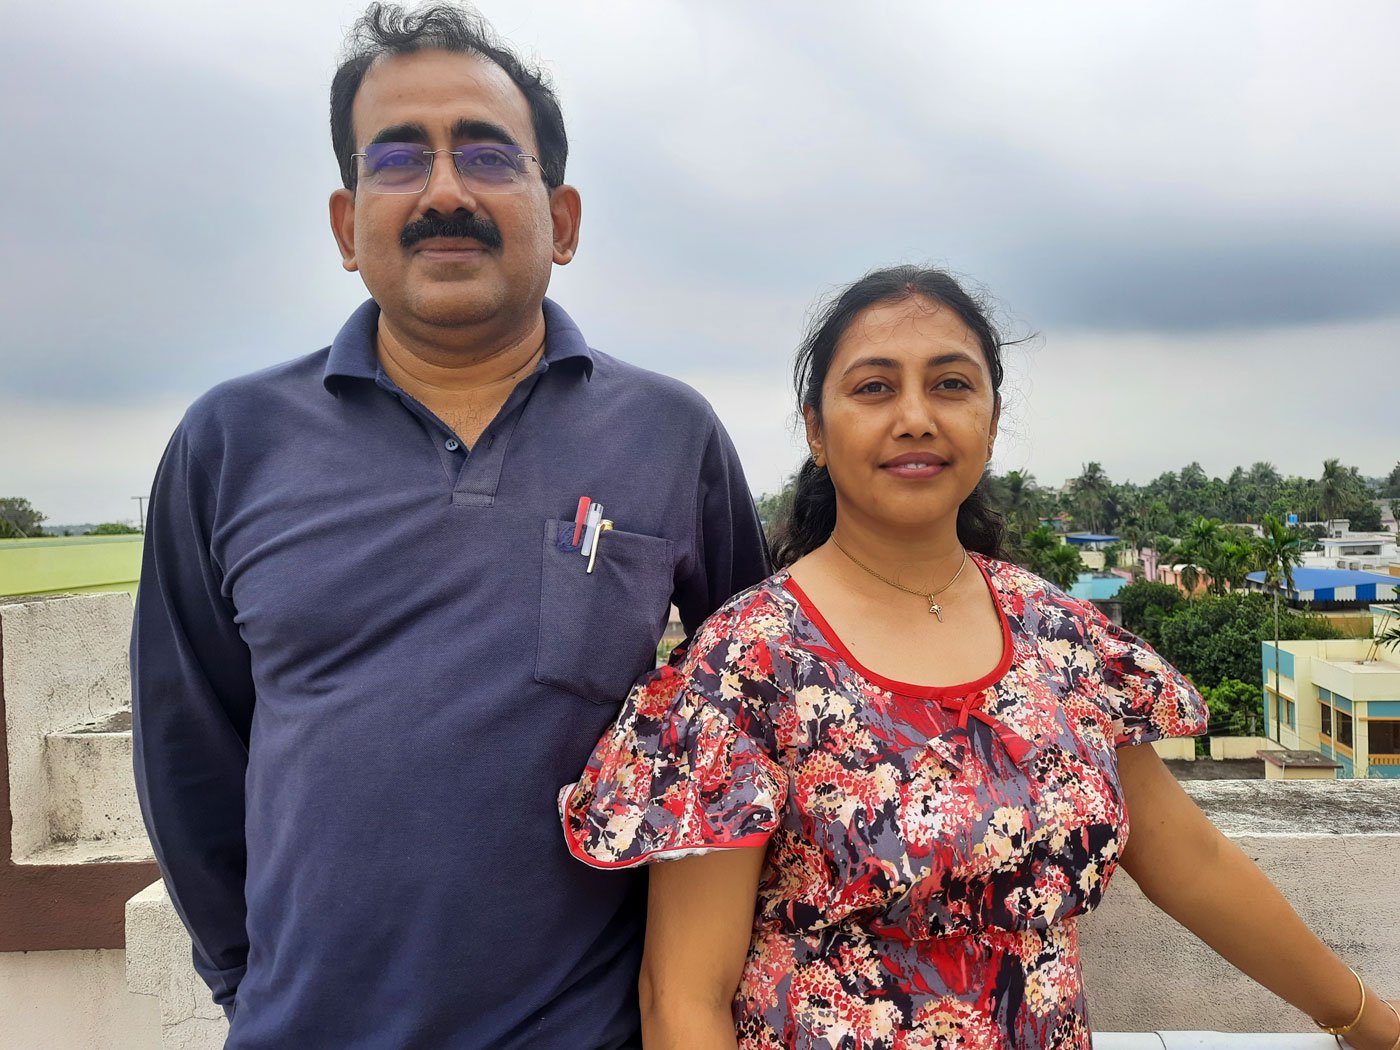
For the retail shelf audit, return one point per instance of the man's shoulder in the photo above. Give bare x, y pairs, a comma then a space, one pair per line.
619, 378
247, 400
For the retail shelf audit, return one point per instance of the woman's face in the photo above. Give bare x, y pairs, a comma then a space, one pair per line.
908, 415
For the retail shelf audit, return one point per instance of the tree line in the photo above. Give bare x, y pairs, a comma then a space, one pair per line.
1094, 502
21, 520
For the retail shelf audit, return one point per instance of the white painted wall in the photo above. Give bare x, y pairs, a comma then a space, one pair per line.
73, 1001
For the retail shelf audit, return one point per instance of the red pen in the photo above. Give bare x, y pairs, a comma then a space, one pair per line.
583, 504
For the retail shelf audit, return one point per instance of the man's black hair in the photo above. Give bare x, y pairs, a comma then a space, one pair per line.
389, 29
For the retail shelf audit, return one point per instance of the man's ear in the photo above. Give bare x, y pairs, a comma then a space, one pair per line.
343, 227
814, 435
565, 209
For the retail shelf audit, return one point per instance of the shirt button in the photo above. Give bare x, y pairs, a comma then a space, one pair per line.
452, 445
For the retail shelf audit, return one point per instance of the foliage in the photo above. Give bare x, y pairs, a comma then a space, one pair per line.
1214, 638
113, 528
1092, 498
1386, 639
1045, 555
1390, 488
19, 519
1144, 604
1234, 708
772, 506
1365, 518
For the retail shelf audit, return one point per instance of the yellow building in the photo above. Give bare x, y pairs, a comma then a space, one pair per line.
1340, 697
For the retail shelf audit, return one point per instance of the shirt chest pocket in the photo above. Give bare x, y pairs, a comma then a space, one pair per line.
599, 630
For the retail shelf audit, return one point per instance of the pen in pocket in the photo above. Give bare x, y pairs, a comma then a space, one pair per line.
603, 526
590, 528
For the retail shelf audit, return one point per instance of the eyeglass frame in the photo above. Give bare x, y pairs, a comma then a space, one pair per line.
457, 154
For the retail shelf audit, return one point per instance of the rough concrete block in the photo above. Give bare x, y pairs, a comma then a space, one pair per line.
158, 964
91, 794
65, 665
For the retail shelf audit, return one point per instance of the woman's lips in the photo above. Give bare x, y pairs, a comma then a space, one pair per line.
917, 469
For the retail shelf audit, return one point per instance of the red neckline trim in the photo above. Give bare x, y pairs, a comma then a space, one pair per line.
921, 692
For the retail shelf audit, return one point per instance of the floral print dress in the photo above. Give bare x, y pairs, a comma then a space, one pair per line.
928, 849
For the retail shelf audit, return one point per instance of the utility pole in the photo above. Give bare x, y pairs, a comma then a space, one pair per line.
140, 512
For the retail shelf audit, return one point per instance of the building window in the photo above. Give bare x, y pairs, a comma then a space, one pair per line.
1292, 716
1344, 729
1326, 720
1383, 738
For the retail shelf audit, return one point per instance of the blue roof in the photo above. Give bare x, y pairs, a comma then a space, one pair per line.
1089, 537
1097, 588
1321, 579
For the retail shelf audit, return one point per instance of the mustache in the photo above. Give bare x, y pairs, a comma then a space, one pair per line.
458, 224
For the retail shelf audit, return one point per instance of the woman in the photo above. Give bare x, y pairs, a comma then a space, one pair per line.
921, 761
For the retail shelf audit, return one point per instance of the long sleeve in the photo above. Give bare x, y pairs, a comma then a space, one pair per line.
192, 707
732, 553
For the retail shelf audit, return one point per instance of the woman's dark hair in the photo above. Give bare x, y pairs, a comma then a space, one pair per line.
388, 29
812, 514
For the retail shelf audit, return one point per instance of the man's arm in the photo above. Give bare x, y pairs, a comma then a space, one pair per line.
192, 707
731, 551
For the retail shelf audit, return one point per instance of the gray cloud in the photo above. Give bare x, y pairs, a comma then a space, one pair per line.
1155, 177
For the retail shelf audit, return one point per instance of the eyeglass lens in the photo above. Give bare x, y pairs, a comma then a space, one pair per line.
399, 167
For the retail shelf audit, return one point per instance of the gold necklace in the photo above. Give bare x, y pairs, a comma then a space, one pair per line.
933, 606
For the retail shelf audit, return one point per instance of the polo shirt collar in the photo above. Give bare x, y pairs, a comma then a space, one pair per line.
352, 352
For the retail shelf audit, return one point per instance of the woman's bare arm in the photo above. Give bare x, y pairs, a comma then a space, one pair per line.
1200, 878
699, 923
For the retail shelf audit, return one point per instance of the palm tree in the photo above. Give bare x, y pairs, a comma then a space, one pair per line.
1020, 503
1198, 554
1332, 489
1050, 559
1062, 566
1387, 639
1092, 491
1280, 551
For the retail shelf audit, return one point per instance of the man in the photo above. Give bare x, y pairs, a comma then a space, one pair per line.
369, 648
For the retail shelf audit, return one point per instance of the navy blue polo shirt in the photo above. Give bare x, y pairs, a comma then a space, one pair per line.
365, 658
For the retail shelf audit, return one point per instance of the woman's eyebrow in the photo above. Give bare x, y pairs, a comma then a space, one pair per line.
952, 357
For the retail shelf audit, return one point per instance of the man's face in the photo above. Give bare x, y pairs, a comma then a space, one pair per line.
443, 100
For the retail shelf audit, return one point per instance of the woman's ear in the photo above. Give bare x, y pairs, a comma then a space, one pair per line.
814, 435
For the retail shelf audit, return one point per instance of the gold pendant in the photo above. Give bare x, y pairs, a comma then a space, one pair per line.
935, 608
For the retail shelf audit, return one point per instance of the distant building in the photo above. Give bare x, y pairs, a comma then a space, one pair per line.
1091, 546
1358, 551
1334, 589
1339, 697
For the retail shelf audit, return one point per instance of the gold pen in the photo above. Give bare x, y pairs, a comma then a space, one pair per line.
603, 526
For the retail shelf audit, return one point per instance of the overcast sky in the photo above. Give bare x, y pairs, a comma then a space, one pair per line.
1194, 206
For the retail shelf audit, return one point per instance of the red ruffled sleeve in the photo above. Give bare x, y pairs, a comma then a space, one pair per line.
1148, 697
689, 766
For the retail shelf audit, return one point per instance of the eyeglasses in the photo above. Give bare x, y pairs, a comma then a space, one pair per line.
405, 167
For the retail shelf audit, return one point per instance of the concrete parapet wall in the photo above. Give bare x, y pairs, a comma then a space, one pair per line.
72, 847
91, 794
1331, 847
64, 666
158, 966
72, 1000
1179, 748
1224, 748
